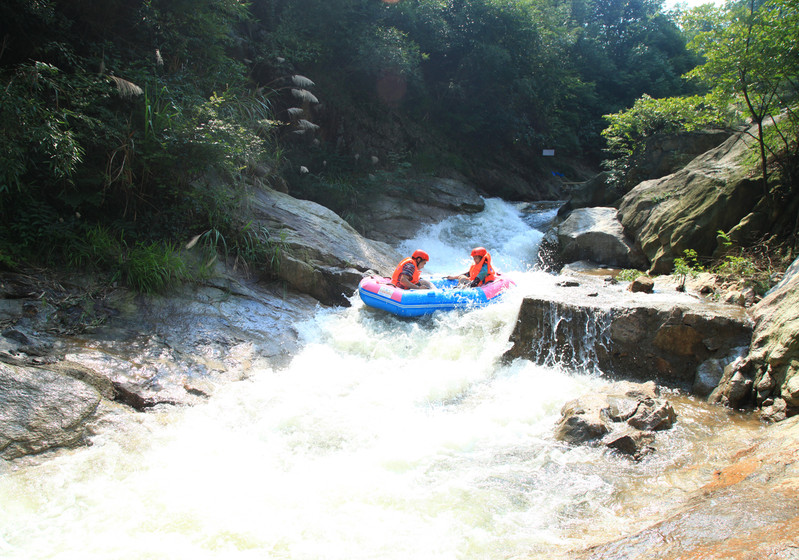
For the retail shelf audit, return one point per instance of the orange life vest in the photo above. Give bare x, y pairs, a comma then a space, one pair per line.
478, 266
398, 271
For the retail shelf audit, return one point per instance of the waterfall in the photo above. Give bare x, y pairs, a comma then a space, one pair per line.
571, 337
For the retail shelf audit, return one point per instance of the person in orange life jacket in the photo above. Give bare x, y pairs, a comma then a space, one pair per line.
481, 272
408, 272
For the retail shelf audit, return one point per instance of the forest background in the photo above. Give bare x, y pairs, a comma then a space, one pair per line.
112, 112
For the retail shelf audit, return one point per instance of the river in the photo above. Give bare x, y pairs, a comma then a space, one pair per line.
384, 438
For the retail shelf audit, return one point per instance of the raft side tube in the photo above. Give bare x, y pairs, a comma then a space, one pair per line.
378, 292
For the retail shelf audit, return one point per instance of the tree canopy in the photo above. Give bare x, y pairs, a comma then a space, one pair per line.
114, 116
751, 57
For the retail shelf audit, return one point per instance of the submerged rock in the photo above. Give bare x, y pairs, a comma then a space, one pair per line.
622, 416
41, 410
146, 352
748, 509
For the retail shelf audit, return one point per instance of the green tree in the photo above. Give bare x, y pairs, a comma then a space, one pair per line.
751, 57
626, 49
108, 115
628, 130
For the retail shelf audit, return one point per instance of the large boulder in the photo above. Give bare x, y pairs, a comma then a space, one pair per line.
59, 380
685, 210
597, 191
180, 346
595, 234
769, 375
319, 253
631, 335
41, 410
623, 416
663, 154
710, 372
511, 181
399, 210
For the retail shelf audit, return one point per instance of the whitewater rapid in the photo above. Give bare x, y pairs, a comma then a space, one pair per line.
384, 438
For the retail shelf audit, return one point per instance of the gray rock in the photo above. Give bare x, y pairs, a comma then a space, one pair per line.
663, 154
777, 411
319, 253
622, 416
684, 210
42, 410
710, 372
629, 441
174, 349
397, 212
595, 234
774, 352
583, 420
735, 388
652, 415
632, 338
746, 509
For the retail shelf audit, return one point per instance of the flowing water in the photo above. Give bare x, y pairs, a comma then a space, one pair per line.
384, 438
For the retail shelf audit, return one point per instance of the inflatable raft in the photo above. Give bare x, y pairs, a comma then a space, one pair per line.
378, 292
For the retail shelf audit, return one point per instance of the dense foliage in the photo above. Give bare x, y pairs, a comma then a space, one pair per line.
130, 126
627, 131
506, 76
108, 115
750, 66
751, 57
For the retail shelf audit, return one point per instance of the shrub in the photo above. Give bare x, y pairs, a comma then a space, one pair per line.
685, 266
152, 267
628, 130
629, 274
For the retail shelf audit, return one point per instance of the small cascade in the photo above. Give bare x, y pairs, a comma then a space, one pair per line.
567, 336
655, 338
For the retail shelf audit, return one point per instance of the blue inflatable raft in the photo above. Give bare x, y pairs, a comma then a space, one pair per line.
380, 293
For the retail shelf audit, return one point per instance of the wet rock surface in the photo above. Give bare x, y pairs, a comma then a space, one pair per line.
113, 346
633, 335
321, 255
42, 409
747, 510
398, 211
623, 416
143, 352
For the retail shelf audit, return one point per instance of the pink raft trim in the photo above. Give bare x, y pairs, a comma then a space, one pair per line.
382, 286
494, 288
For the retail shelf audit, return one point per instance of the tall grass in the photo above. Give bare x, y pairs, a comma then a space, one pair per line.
152, 267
